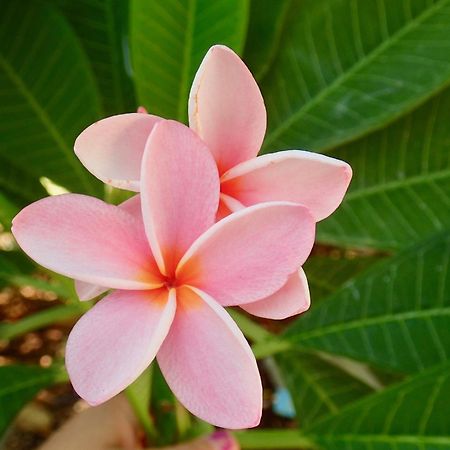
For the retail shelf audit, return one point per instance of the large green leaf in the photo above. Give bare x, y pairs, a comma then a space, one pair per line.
267, 19
327, 274
168, 42
410, 415
396, 315
19, 384
102, 27
47, 94
401, 186
317, 387
14, 263
349, 66
18, 187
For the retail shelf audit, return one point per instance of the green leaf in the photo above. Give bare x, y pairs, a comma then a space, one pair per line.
407, 416
14, 263
401, 187
102, 27
396, 315
47, 95
264, 34
164, 409
168, 41
19, 385
139, 394
348, 67
317, 387
326, 274
18, 188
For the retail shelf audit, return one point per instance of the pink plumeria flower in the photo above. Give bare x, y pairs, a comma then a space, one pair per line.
227, 111
173, 269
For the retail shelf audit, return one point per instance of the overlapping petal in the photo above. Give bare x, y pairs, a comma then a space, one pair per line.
293, 298
226, 108
250, 254
316, 181
115, 341
86, 239
88, 291
112, 148
180, 191
209, 365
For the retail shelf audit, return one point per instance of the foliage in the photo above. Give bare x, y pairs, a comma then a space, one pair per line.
364, 81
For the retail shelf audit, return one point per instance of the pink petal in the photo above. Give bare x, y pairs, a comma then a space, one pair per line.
88, 291
180, 191
112, 148
133, 207
293, 298
84, 238
227, 205
226, 108
116, 340
316, 181
250, 254
209, 365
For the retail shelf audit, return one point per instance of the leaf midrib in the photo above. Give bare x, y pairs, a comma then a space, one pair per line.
45, 119
187, 61
354, 69
386, 438
382, 187
365, 322
111, 28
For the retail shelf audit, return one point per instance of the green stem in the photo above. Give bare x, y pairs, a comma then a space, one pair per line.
271, 347
139, 396
274, 439
250, 328
183, 419
265, 343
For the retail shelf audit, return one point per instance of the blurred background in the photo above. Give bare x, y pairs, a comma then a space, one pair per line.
365, 81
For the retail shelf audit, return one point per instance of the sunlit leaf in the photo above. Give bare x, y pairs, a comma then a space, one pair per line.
410, 415
348, 67
401, 186
396, 315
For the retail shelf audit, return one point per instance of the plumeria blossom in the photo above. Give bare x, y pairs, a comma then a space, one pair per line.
172, 268
227, 111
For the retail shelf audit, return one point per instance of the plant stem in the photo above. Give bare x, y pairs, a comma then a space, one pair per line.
270, 347
183, 419
265, 343
250, 328
274, 439
139, 396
